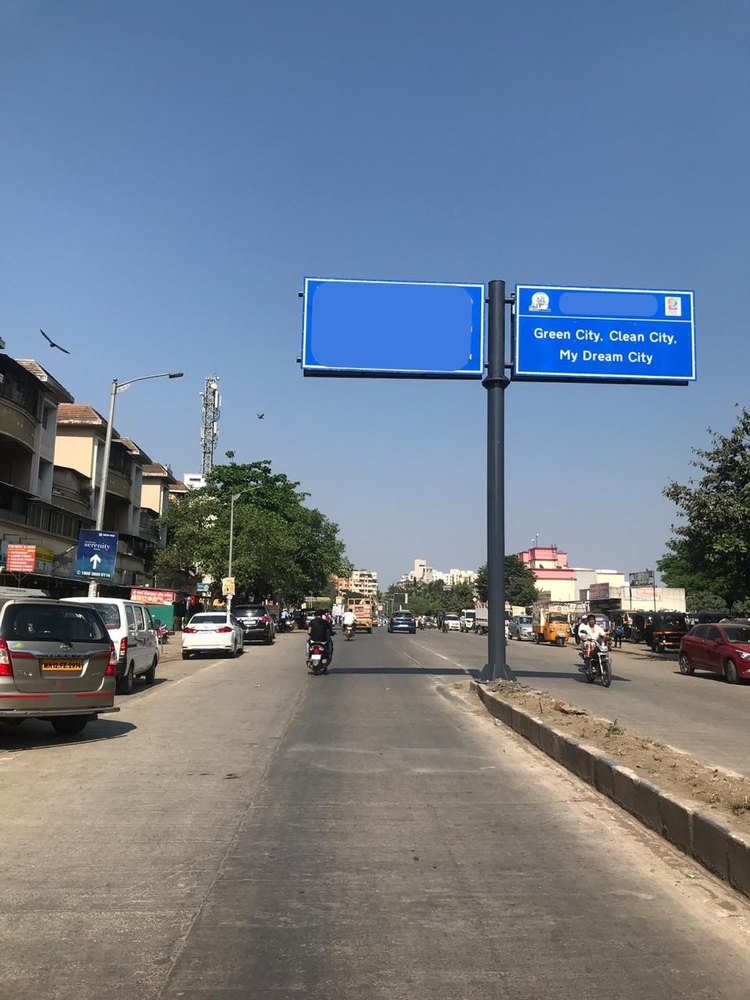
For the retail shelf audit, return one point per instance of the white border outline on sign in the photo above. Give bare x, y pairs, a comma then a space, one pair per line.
588, 376
398, 371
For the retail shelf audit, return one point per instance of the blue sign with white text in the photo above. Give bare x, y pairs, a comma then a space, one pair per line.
604, 334
96, 554
393, 329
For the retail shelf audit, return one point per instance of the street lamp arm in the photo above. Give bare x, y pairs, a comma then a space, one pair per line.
144, 378
101, 500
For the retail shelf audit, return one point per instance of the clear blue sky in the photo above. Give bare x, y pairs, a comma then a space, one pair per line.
171, 170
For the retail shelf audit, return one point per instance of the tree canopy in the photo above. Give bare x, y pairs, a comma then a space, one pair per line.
520, 583
709, 551
282, 549
433, 598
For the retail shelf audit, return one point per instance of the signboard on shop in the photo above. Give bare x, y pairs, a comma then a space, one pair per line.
599, 592
20, 559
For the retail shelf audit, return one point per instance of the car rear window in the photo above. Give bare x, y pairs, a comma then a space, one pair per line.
208, 618
50, 623
110, 613
250, 610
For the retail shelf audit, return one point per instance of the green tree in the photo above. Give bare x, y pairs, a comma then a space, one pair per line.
282, 549
709, 551
520, 582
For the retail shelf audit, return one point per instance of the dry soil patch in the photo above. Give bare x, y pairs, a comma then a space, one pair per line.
721, 792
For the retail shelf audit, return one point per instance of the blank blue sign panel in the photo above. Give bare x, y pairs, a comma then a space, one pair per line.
604, 334
396, 329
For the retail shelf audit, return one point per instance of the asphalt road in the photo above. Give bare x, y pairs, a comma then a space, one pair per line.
244, 830
702, 714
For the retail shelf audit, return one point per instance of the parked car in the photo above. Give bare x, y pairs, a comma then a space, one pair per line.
402, 621
134, 633
721, 648
212, 632
521, 627
256, 622
451, 623
57, 663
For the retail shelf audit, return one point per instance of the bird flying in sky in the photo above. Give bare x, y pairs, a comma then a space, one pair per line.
52, 343
260, 415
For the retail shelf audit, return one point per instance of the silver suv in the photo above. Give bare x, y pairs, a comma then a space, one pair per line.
57, 663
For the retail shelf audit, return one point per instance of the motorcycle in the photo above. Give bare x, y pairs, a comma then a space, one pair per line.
600, 664
349, 631
316, 657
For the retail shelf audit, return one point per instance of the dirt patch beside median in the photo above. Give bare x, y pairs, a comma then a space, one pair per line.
723, 793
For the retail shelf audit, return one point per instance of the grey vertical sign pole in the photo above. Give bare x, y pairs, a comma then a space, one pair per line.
496, 383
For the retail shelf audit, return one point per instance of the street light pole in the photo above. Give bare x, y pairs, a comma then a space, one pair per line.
101, 499
234, 499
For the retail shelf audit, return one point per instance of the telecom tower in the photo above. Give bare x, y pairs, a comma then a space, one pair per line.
210, 427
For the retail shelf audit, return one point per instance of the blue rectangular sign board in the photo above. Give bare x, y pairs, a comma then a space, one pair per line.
393, 329
604, 334
96, 554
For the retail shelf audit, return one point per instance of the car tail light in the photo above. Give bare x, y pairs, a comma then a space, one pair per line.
264, 619
6, 670
111, 670
123, 648
189, 630
224, 628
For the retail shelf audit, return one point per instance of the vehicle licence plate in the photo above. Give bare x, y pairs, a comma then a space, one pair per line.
61, 666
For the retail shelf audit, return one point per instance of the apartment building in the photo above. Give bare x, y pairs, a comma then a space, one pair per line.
424, 573
51, 452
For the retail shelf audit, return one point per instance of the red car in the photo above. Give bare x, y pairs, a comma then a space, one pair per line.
721, 648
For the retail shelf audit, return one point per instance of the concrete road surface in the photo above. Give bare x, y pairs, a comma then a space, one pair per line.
702, 714
244, 830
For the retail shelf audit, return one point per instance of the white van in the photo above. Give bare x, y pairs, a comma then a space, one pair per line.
133, 632
466, 620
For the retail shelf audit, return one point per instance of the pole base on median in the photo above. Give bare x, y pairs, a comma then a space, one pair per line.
502, 673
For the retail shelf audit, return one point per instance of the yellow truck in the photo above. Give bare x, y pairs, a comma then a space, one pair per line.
550, 623
363, 615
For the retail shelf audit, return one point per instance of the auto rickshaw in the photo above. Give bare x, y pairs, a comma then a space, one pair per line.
551, 627
665, 630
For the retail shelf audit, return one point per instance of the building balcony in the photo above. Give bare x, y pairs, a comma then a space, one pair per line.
118, 484
17, 424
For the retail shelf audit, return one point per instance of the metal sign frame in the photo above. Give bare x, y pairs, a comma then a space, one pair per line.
392, 329
590, 347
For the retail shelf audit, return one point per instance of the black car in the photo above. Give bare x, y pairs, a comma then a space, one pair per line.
256, 622
402, 621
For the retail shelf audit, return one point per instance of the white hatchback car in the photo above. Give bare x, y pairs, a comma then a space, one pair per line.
212, 632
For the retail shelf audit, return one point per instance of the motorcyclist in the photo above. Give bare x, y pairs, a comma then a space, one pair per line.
320, 631
589, 633
349, 620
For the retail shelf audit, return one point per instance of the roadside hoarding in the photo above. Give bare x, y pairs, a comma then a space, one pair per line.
20, 559
145, 595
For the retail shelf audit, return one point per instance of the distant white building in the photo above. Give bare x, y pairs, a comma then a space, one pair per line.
365, 582
422, 573
194, 480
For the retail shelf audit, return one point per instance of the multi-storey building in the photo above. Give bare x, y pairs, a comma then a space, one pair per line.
364, 582
423, 573
51, 452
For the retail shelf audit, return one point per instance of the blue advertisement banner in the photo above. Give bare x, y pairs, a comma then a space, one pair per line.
96, 554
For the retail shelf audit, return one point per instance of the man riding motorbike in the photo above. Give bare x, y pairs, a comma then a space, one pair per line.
349, 622
589, 633
320, 631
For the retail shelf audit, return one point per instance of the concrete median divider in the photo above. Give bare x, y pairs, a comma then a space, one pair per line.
717, 847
